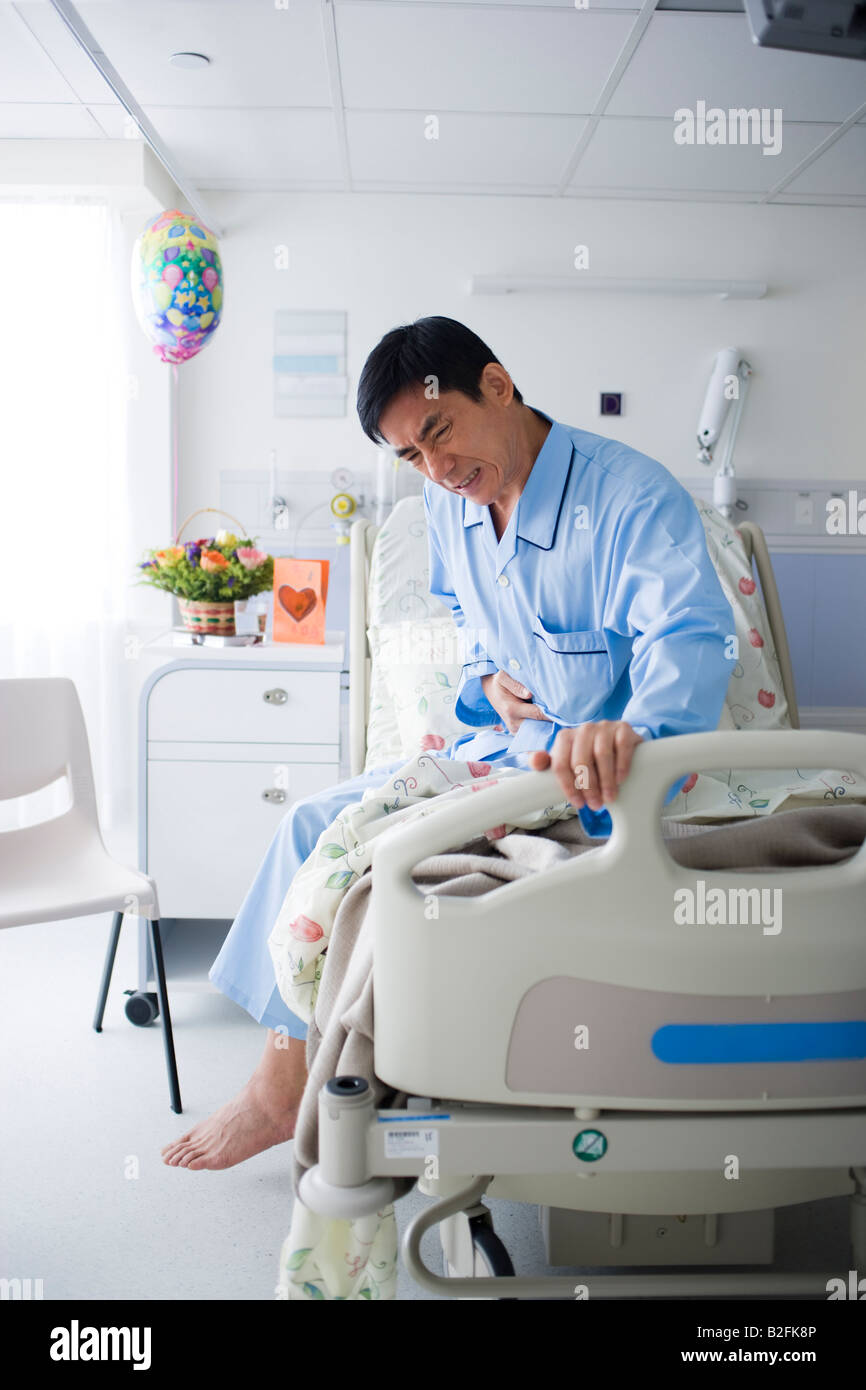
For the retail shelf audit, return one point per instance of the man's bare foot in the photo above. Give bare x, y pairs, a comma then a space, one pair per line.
264, 1113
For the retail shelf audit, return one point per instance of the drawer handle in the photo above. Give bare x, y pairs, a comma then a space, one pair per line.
275, 697
274, 794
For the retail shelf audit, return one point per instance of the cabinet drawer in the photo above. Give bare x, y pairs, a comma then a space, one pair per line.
209, 828
230, 706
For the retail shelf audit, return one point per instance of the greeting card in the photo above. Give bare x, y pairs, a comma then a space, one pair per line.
300, 598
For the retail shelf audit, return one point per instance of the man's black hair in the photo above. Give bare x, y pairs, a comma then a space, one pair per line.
436, 347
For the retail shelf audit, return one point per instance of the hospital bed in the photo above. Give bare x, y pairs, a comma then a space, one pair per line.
643, 1162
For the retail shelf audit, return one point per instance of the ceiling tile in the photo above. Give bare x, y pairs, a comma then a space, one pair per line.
471, 150
841, 169
436, 58
643, 155
260, 55
26, 72
35, 120
114, 120
684, 58
272, 146
83, 77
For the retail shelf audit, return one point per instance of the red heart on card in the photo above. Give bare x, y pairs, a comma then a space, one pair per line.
297, 603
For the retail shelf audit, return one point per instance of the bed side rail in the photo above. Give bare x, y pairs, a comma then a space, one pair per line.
636, 813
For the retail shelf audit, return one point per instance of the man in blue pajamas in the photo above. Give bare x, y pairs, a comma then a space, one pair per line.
592, 619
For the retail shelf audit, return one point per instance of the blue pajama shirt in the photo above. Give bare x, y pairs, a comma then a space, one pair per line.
600, 597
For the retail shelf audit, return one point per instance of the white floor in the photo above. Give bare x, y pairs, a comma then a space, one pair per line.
87, 1204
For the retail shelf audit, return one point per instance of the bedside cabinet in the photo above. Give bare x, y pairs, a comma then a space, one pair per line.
230, 738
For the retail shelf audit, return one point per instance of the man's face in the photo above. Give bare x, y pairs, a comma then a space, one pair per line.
465, 446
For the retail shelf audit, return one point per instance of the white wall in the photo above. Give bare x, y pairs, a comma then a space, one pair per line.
390, 258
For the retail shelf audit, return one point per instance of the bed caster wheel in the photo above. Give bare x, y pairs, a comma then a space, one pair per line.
141, 1009
479, 1252
491, 1257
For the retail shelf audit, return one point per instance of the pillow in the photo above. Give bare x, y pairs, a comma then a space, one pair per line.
755, 697
399, 584
383, 736
397, 590
420, 667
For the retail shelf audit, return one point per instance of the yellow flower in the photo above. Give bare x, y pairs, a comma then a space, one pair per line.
169, 556
226, 538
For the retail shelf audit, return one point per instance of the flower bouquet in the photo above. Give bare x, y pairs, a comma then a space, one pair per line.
208, 575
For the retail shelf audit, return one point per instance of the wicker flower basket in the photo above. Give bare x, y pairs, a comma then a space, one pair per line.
200, 615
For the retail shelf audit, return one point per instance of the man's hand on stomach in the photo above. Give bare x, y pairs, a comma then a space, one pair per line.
511, 700
590, 761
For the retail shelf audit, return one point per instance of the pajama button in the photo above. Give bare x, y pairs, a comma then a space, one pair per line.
514, 665
503, 580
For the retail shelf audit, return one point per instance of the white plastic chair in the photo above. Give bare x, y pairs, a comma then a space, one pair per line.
60, 867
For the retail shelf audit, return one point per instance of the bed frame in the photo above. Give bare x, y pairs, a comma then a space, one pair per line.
476, 1017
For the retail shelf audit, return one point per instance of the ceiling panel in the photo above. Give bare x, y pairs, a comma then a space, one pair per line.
684, 58
48, 28
841, 169
26, 71
272, 146
114, 120
40, 121
511, 82
436, 58
642, 155
472, 150
260, 55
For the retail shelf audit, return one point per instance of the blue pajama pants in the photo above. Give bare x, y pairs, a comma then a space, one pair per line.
244, 970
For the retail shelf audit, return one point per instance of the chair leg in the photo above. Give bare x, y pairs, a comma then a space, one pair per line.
106, 971
162, 996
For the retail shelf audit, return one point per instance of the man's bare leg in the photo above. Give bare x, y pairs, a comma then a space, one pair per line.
264, 1113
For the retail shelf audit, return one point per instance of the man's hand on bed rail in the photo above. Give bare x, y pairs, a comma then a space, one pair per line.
510, 699
590, 761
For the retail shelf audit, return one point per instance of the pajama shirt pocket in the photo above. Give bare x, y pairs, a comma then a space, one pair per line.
574, 671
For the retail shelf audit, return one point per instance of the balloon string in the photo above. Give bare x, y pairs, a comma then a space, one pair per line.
174, 447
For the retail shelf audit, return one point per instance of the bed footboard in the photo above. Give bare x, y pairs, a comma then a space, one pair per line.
579, 986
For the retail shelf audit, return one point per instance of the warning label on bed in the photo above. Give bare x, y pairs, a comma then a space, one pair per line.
411, 1143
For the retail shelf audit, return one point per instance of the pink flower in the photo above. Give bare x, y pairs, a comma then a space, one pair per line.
689, 782
251, 558
766, 698
755, 637
479, 769
304, 929
746, 586
432, 741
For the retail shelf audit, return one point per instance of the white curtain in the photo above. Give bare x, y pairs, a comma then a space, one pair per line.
67, 555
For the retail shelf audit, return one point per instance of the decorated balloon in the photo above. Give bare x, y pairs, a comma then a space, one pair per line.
177, 285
